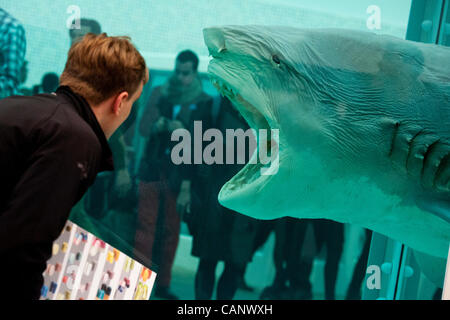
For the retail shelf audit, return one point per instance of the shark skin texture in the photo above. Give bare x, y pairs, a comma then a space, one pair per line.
364, 128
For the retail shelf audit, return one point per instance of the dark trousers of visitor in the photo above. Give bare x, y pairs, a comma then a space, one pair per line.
330, 234
354, 289
298, 269
157, 216
205, 280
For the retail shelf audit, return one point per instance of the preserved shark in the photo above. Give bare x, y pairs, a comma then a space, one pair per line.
363, 122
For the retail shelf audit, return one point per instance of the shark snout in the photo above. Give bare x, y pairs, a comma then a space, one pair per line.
214, 40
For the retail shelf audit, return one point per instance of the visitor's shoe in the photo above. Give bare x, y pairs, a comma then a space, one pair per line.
164, 293
353, 292
273, 293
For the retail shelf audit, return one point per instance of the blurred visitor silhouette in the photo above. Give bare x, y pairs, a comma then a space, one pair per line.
164, 188
219, 234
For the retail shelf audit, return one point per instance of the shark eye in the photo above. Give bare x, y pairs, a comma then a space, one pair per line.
276, 60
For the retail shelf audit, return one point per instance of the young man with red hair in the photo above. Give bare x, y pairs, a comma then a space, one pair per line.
53, 146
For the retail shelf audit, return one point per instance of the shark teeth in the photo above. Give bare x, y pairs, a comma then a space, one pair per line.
224, 89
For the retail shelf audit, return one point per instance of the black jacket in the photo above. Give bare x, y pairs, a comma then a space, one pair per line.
220, 233
51, 149
157, 163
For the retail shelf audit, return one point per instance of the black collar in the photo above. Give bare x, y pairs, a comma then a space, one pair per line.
84, 110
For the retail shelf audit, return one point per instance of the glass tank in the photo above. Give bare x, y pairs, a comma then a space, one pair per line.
167, 216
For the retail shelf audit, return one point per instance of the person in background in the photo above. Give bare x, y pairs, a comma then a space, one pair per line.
292, 265
86, 26
164, 188
354, 288
12, 54
329, 233
219, 234
52, 148
263, 230
48, 84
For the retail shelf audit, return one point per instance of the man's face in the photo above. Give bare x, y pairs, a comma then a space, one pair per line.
184, 71
79, 33
113, 119
127, 104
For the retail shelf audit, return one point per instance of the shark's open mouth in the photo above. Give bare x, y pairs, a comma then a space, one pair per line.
250, 175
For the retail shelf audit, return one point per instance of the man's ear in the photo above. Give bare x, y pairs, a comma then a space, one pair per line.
118, 102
